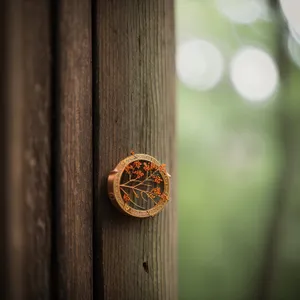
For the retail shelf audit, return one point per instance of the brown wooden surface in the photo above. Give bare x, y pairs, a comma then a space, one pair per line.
134, 94
73, 150
28, 148
3, 153
14, 145
55, 132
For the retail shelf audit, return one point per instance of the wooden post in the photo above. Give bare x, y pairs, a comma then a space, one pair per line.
134, 109
73, 166
27, 148
84, 83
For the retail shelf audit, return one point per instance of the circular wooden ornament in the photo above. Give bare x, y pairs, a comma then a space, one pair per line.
139, 186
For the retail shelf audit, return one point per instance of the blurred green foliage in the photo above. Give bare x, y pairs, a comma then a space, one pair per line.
230, 162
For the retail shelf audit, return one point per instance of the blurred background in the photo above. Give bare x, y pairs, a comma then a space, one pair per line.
238, 98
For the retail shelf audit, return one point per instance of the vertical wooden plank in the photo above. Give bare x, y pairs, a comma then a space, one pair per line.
14, 148
134, 95
28, 148
37, 105
73, 196
3, 154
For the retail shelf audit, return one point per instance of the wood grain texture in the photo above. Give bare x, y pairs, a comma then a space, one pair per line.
36, 155
3, 152
14, 147
134, 259
74, 178
28, 147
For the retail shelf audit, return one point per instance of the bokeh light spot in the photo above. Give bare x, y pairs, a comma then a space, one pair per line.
291, 11
254, 74
200, 64
242, 11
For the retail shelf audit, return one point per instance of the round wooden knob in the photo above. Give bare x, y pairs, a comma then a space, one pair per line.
139, 186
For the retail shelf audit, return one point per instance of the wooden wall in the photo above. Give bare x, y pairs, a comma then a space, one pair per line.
84, 83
